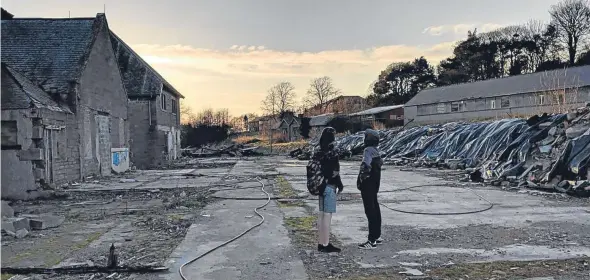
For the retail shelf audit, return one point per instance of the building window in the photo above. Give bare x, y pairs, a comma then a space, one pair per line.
492, 104
458, 106
441, 108
163, 101
9, 135
173, 102
541, 99
505, 102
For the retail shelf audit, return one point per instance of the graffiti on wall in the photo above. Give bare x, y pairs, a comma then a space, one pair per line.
120, 159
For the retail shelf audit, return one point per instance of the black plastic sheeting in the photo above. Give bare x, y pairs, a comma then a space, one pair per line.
498, 149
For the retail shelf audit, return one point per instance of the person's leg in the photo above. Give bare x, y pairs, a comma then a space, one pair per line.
320, 222
329, 209
369, 212
377, 217
327, 219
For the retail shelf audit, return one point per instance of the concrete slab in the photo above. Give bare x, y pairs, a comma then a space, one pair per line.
249, 257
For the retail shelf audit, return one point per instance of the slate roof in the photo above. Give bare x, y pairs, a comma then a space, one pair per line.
321, 120
50, 52
139, 78
376, 110
18, 92
527, 83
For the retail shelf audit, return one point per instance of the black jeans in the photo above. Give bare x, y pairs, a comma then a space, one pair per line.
373, 213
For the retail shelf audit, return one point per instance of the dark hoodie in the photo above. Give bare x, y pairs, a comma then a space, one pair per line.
369, 178
328, 158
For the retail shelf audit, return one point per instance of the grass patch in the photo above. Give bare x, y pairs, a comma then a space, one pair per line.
302, 229
514, 270
88, 240
285, 190
6, 276
284, 187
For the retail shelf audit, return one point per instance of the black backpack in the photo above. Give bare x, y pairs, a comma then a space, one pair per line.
315, 178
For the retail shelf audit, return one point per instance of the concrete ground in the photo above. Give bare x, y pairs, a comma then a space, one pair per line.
518, 227
168, 217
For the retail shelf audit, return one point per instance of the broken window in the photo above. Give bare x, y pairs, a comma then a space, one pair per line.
173, 102
455, 106
163, 101
440, 108
9, 135
505, 102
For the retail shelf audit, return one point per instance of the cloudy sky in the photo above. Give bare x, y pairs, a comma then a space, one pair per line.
227, 53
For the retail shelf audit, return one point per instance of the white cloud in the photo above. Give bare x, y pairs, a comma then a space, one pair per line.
460, 29
237, 78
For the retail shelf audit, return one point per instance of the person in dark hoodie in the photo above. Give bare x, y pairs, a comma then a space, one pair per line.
368, 183
330, 167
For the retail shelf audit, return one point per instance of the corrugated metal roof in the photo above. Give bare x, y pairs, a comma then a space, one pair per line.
20, 93
377, 110
527, 83
49, 52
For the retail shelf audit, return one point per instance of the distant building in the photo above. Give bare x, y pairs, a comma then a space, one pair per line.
389, 116
339, 105
318, 123
154, 109
515, 96
289, 127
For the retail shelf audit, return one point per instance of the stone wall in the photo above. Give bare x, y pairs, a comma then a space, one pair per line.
102, 111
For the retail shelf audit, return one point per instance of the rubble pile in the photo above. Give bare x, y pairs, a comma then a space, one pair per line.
548, 152
228, 150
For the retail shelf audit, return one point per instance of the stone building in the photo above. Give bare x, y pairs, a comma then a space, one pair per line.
516, 96
388, 116
154, 111
72, 61
339, 105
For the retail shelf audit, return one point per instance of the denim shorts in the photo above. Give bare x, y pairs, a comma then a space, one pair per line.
328, 200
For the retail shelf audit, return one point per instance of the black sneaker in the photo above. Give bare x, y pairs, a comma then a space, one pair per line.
379, 241
321, 247
331, 249
368, 245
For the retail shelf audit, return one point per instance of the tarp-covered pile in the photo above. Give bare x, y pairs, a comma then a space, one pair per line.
541, 152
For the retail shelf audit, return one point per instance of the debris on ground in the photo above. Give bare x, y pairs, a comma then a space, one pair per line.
228, 150
547, 152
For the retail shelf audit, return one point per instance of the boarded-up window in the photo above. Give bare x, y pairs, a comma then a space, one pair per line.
505, 102
9, 135
441, 108
422, 110
60, 137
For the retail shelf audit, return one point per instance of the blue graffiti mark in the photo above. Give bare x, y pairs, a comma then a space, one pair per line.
116, 159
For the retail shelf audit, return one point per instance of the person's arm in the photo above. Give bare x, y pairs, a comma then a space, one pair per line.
365, 170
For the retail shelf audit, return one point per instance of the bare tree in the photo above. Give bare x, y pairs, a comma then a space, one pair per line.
280, 98
187, 116
572, 18
321, 90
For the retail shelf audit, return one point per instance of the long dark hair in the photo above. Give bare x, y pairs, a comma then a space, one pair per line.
327, 138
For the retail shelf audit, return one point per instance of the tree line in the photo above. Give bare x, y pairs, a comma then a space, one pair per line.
512, 50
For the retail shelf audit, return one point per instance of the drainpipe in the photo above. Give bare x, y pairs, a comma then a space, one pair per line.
79, 110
